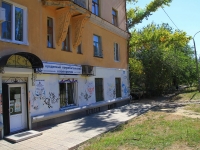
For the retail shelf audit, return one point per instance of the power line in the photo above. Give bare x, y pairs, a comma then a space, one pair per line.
170, 18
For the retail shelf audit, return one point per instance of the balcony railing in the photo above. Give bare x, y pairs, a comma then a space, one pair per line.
82, 3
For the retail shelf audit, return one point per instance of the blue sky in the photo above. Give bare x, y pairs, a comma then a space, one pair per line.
184, 13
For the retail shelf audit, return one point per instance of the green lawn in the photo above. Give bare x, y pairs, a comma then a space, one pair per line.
153, 130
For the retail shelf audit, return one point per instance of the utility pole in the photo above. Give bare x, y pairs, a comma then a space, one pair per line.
197, 67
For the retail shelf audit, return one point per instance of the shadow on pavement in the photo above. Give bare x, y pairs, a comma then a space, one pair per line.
106, 120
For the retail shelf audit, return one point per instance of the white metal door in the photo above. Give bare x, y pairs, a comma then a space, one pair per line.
18, 111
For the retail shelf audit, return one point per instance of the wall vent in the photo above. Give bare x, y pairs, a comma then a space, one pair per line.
93, 110
111, 106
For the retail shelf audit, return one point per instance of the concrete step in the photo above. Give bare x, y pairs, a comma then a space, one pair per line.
23, 136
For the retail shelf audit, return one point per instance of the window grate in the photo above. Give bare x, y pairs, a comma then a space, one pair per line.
99, 89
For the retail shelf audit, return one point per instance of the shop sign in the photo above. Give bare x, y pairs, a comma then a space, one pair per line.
59, 68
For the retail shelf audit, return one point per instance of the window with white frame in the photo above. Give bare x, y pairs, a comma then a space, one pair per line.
14, 28
67, 94
116, 51
97, 46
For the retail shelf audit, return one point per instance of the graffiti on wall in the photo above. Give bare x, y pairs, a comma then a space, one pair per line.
50, 100
111, 92
88, 92
39, 97
124, 89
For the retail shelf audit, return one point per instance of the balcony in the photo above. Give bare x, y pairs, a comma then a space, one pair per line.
82, 3
69, 12
64, 3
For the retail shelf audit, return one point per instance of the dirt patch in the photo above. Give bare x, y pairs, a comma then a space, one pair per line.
181, 146
187, 113
173, 117
127, 148
151, 115
139, 120
178, 109
176, 112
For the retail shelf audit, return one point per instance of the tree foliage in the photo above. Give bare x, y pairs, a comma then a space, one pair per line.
136, 15
160, 58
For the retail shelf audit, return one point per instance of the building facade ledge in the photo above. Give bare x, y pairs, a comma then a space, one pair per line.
108, 26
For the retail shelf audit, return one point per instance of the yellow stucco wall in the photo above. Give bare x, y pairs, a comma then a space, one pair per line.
37, 38
106, 7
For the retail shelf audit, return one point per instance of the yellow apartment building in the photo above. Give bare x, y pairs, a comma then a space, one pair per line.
60, 60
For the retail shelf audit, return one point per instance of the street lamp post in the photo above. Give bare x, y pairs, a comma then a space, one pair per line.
197, 68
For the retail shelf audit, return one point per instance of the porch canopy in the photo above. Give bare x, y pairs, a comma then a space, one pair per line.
21, 60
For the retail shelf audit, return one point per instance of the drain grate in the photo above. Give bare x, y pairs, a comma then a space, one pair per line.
23, 134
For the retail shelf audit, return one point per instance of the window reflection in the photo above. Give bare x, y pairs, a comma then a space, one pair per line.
18, 24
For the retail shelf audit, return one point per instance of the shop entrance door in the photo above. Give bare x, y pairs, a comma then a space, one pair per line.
17, 107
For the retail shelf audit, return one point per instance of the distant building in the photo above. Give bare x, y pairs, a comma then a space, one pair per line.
60, 60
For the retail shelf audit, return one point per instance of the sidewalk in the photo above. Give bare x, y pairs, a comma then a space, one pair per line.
71, 134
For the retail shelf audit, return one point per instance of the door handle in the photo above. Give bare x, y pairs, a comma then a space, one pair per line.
10, 110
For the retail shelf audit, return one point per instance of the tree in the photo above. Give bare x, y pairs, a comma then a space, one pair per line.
160, 58
136, 15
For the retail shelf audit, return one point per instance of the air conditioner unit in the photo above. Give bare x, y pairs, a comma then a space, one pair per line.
2, 14
87, 70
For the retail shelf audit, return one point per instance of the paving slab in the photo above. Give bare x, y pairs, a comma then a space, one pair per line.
69, 134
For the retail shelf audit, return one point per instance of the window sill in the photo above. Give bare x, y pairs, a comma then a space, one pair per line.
66, 50
51, 47
96, 14
117, 61
15, 42
99, 101
69, 107
99, 56
80, 53
115, 25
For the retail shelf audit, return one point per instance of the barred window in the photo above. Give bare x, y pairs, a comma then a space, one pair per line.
99, 89
67, 94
